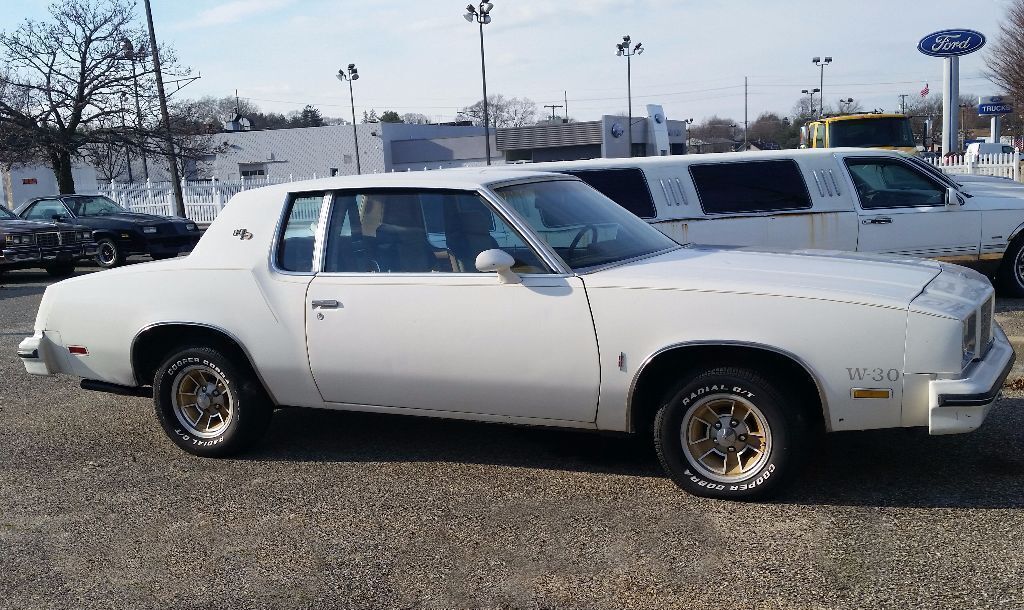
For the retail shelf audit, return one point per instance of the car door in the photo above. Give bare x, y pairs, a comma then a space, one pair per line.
903, 211
398, 315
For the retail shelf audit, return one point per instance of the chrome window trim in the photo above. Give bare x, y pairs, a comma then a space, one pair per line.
729, 343
282, 222
835, 183
821, 191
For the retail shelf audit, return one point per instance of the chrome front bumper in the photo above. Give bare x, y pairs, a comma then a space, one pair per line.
961, 405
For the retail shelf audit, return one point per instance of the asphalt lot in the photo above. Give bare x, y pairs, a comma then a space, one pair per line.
99, 510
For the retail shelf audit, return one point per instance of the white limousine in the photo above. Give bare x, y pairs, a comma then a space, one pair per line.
854, 199
526, 298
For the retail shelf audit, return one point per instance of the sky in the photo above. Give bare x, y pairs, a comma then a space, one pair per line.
422, 56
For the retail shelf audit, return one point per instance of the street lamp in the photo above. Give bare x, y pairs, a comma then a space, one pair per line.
352, 75
811, 93
848, 101
482, 15
686, 128
821, 86
624, 49
130, 53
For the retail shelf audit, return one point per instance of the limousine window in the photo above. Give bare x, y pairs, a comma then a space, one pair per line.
888, 183
626, 187
754, 186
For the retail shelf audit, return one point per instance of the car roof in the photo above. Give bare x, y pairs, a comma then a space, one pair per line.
460, 179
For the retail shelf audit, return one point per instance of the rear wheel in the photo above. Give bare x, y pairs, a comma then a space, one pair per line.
729, 433
209, 405
109, 254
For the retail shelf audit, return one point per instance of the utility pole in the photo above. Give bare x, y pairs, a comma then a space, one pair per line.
553, 107
903, 103
745, 144
179, 199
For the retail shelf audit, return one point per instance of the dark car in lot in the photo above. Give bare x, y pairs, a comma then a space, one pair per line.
118, 232
52, 246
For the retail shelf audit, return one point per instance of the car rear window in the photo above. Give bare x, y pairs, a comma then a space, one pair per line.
753, 186
626, 187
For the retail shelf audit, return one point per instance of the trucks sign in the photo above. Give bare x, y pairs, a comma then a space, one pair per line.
950, 43
994, 104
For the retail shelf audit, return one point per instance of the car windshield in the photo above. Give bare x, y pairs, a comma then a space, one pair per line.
5, 213
93, 206
583, 226
867, 133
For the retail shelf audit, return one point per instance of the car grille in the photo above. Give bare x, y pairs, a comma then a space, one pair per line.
985, 332
46, 240
68, 237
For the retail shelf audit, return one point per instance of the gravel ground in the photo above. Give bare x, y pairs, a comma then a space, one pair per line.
98, 510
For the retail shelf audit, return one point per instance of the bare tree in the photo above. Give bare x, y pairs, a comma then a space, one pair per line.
62, 82
194, 137
502, 111
1005, 60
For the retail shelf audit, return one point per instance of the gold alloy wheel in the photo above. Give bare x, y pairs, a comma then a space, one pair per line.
202, 401
726, 438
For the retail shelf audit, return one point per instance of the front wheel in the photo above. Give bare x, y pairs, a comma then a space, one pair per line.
209, 405
1011, 270
729, 433
109, 254
61, 269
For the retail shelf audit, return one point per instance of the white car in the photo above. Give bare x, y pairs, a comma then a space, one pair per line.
526, 298
856, 199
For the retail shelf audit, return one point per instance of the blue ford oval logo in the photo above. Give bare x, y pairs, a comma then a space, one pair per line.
617, 130
949, 43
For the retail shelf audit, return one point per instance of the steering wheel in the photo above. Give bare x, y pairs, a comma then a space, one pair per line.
592, 229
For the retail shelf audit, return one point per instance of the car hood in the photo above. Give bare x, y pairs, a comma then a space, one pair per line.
10, 224
132, 218
878, 280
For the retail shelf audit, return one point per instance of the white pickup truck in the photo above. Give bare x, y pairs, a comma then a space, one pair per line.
853, 199
526, 298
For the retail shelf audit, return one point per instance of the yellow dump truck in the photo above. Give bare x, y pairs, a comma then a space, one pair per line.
868, 130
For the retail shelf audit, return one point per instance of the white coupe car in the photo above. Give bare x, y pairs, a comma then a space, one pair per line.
526, 298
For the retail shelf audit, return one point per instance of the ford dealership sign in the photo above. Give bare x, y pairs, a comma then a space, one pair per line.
949, 43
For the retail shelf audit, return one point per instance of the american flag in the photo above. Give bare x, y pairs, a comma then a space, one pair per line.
924, 92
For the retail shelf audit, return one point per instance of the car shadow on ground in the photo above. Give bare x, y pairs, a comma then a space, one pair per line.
895, 468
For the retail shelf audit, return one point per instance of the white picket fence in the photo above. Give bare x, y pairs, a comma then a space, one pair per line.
203, 199
1002, 165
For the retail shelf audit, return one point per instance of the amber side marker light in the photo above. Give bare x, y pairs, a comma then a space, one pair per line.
78, 350
871, 393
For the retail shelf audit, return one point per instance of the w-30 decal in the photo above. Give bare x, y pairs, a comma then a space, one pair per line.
876, 374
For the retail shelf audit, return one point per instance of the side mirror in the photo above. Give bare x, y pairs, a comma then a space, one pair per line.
57, 217
500, 262
953, 198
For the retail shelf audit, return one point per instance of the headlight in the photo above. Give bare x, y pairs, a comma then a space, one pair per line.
84, 236
190, 227
970, 338
21, 239
149, 229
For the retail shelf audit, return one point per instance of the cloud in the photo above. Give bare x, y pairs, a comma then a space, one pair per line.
237, 10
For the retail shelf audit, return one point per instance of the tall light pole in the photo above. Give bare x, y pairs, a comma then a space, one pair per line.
821, 86
627, 50
352, 75
130, 53
811, 93
482, 15
179, 199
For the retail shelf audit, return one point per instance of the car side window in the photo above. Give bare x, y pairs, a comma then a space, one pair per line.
750, 186
295, 248
411, 231
626, 187
819, 135
46, 209
887, 183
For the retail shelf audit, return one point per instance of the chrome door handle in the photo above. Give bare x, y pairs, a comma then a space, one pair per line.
328, 304
883, 220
